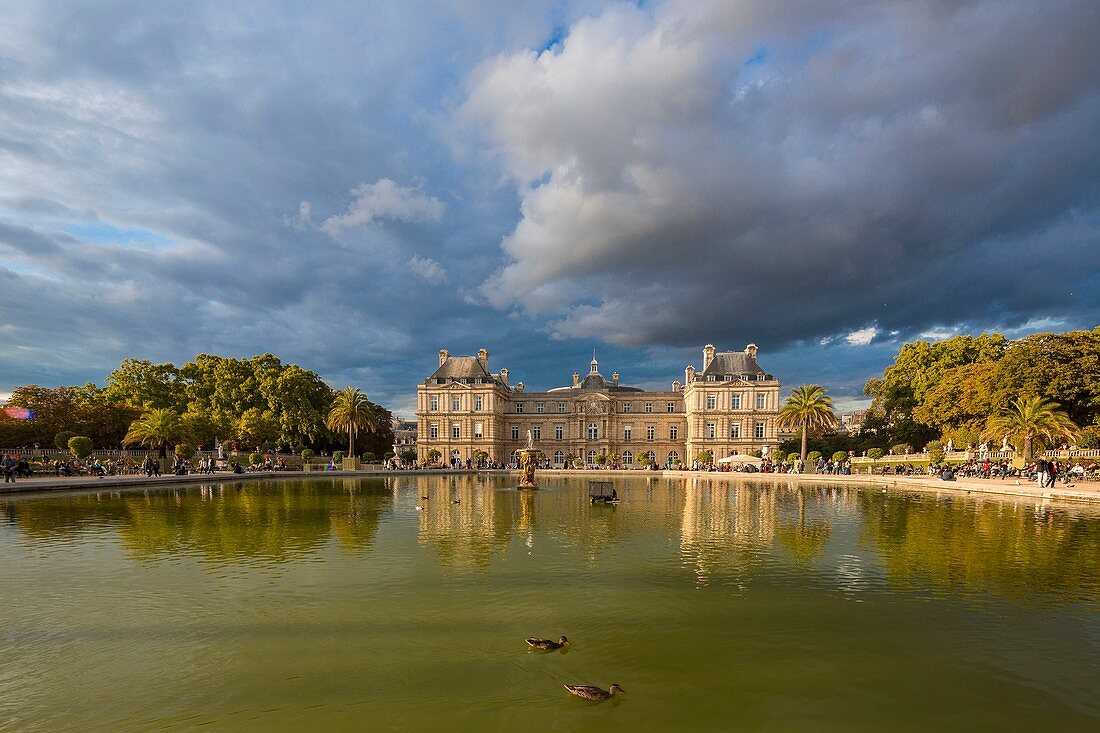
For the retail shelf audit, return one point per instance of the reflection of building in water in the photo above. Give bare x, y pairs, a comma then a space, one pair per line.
726, 527
469, 533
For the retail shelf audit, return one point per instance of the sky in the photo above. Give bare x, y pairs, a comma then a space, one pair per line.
353, 186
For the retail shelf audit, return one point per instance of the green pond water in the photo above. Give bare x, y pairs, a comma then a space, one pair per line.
335, 604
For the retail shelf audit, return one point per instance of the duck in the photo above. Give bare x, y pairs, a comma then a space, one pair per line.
546, 644
591, 692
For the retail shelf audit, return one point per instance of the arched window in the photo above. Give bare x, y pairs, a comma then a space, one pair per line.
559, 457
593, 431
514, 458
591, 458
673, 456
628, 458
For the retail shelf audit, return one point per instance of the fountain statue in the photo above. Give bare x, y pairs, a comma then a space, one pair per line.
527, 464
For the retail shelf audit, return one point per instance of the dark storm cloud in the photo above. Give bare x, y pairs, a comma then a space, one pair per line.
354, 186
896, 164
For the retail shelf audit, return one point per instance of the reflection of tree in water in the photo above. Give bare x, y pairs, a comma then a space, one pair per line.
469, 533
804, 540
355, 516
61, 518
274, 521
726, 528
1015, 548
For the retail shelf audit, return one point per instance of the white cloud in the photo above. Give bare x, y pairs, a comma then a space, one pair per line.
427, 268
303, 218
385, 199
862, 337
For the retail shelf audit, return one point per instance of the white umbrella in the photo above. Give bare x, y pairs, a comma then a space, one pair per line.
741, 459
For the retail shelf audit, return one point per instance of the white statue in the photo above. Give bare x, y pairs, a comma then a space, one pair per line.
950, 445
1004, 445
530, 441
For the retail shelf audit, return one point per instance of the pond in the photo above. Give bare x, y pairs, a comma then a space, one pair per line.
338, 604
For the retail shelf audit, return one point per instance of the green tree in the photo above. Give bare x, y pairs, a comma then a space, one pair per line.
809, 410
601, 458
840, 456
705, 457
80, 446
307, 455
571, 460
876, 453
156, 428
185, 451
1030, 419
935, 452
813, 456
434, 456
351, 412
255, 427
143, 384
408, 455
61, 440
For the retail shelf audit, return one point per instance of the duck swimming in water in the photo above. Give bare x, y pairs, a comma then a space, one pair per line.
546, 644
591, 692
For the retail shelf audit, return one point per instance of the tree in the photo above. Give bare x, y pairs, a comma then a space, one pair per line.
876, 453
307, 455
840, 456
61, 440
809, 410
1030, 419
571, 460
185, 451
613, 458
351, 412
81, 446
434, 456
935, 452
408, 456
813, 456
156, 428
705, 457
601, 458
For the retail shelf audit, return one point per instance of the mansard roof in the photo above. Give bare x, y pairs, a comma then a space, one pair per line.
461, 368
735, 363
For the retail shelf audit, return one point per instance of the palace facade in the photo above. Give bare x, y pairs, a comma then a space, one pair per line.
729, 405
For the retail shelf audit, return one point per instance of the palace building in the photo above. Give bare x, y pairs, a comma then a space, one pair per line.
728, 406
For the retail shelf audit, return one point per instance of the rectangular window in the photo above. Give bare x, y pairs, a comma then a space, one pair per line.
456, 405
433, 403
515, 432
559, 432
672, 407
628, 432
735, 430
479, 430
712, 401
650, 431
712, 430
759, 430
561, 407
433, 430
649, 407
536, 432
673, 432
761, 401
626, 407
456, 430
711, 378
479, 404
593, 431
539, 408
519, 407
735, 401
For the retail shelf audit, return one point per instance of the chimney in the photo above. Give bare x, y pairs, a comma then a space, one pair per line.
519, 387
443, 356
751, 351
483, 358
675, 386
504, 376
689, 374
708, 355
615, 378
576, 378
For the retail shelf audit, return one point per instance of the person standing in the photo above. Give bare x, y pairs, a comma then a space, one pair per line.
1042, 469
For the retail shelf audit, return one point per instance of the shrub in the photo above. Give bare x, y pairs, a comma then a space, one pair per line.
369, 457
902, 448
338, 456
813, 456
307, 454
80, 446
840, 455
793, 457
408, 455
255, 459
388, 455
875, 453
185, 451
935, 451
61, 440
756, 453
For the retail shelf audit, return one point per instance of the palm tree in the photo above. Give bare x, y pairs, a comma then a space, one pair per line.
156, 429
571, 460
351, 411
808, 409
1029, 418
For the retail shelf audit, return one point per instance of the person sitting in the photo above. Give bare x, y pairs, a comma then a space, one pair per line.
948, 474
